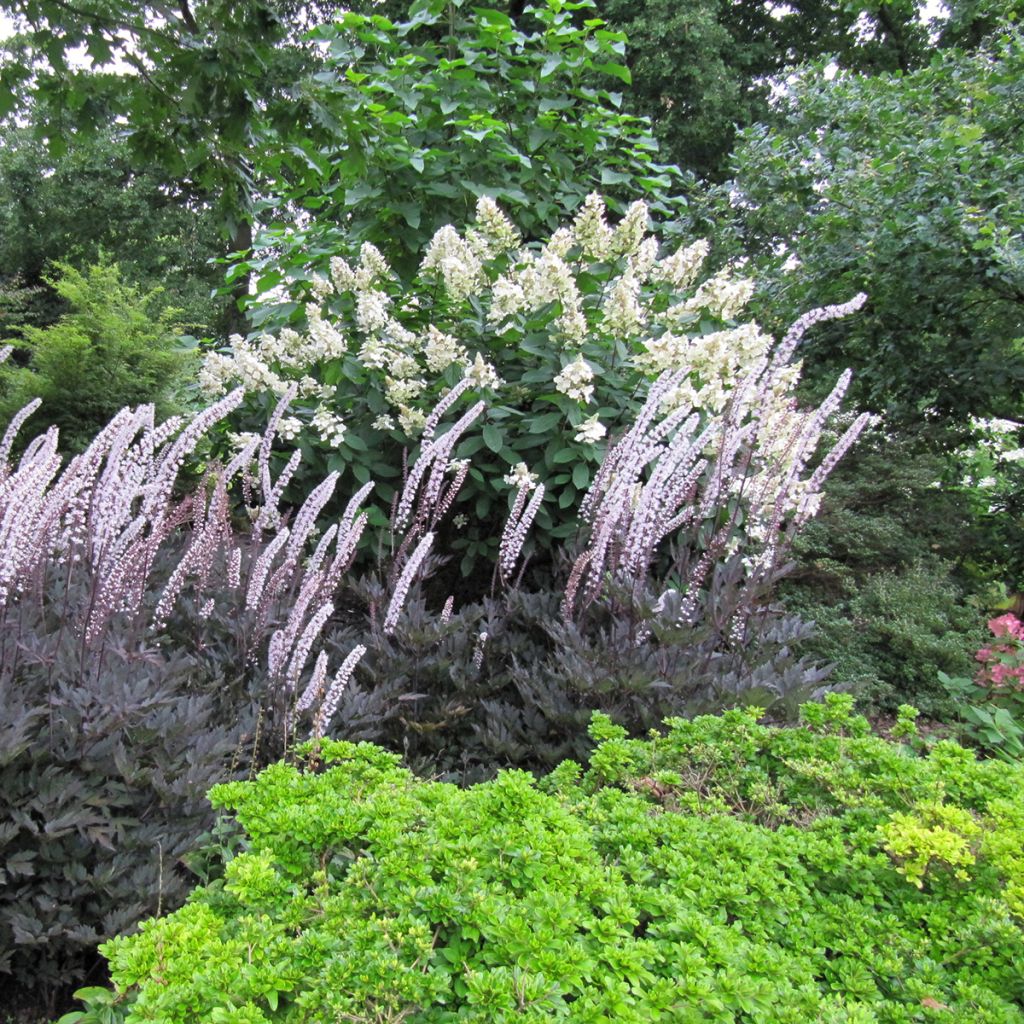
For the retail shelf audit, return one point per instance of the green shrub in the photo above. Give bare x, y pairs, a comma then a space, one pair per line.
724, 872
891, 638
885, 574
115, 347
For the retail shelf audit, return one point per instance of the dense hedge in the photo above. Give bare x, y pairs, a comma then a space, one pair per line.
726, 871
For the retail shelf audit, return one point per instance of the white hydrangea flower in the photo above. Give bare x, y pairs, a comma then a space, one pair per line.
590, 430
289, 348
441, 350
483, 375
376, 353
629, 233
330, 427
214, 374
575, 380
507, 299
342, 275
644, 260
400, 335
459, 266
668, 351
572, 324
321, 287
590, 229
372, 310
384, 423
494, 233
328, 342
411, 420
372, 266
559, 243
722, 295
681, 268
402, 392
623, 316
254, 373
240, 440
683, 396
289, 427
549, 279
403, 367
521, 477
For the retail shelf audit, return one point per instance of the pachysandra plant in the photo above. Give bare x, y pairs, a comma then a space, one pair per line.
565, 341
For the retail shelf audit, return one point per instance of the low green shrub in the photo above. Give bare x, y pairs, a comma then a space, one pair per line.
726, 871
890, 639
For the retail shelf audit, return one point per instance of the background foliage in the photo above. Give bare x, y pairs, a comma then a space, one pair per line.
414, 120
908, 188
95, 199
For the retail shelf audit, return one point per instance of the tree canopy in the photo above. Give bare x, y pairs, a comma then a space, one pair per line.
910, 188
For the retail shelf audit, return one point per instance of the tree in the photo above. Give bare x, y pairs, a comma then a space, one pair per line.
910, 188
412, 122
700, 68
204, 82
95, 199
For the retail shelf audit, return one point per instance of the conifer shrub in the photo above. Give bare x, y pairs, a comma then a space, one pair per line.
720, 871
114, 346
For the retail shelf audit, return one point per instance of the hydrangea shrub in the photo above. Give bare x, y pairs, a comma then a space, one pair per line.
563, 340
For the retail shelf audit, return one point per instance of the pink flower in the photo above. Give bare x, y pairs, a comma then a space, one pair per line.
1007, 625
998, 674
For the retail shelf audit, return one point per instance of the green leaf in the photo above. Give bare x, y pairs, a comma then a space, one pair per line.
493, 437
551, 64
617, 70
610, 177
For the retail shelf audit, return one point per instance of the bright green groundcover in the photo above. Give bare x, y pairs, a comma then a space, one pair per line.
725, 871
